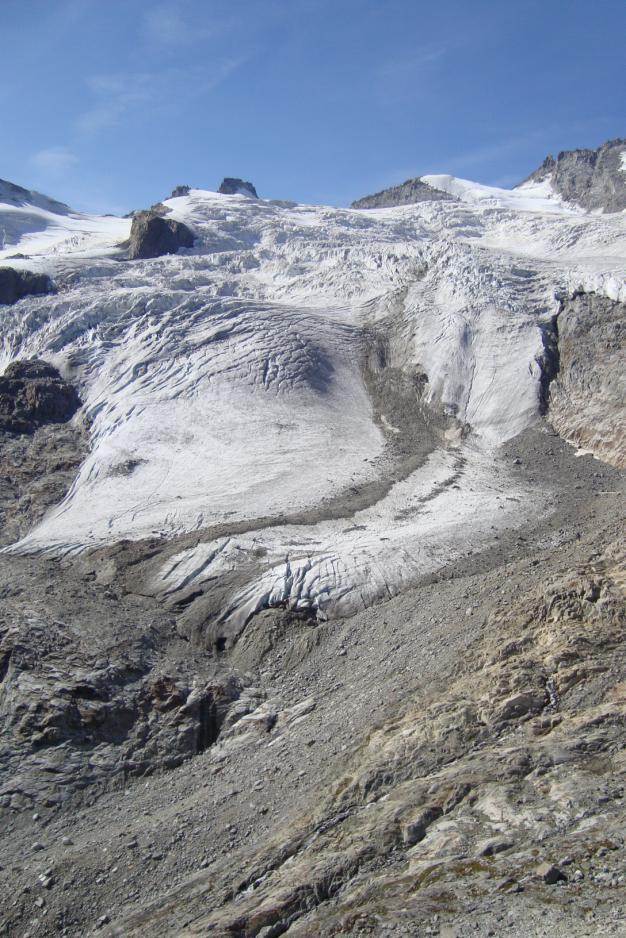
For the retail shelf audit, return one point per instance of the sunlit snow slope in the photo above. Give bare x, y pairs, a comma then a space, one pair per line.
226, 384
32, 224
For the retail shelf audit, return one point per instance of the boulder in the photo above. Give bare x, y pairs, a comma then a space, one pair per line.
550, 874
232, 186
492, 846
416, 830
33, 393
16, 284
151, 235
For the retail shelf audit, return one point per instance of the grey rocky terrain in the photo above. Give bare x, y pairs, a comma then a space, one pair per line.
33, 393
16, 284
593, 179
587, 398
151, 235
231, 185
41, 447
408, 193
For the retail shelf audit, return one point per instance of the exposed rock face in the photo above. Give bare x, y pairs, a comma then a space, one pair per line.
593, 179
93, 709
410, 192
33, 393
15, 284
233, 186
586, 400
180, 190
37, 471
152, 236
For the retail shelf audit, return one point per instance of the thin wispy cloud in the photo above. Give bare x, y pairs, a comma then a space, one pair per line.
122, 96
54, 160
408, 76
115, 96
491, 153
407, 67
166, 26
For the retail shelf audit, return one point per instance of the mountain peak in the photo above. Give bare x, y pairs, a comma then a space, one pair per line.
593, 179
233, 186
12, 194
408, 193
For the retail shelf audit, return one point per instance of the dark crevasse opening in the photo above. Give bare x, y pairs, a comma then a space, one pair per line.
549, 362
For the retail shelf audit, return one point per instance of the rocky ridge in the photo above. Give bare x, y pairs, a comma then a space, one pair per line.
408, 193
593, 179
17, 195
41, 447
233, 186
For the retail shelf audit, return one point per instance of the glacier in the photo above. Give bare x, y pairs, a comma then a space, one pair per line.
226, 393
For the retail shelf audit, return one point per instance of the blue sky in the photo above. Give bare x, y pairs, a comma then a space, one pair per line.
107, 104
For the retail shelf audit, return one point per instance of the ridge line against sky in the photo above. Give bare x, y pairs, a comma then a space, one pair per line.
108, 106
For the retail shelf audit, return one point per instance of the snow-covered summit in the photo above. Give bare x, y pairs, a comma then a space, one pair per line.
38, 227
408, 193
12, 194
534, 196
577, 180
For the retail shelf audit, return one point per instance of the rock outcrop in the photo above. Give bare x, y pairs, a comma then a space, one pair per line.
586, 398
16, 284
37, 471
151, 235
33, 393
93, 710
40, 447
409, 193
233, 186
180, 190
592, 179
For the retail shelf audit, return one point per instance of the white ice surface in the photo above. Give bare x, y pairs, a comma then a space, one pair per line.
532, 196
448, 508
41, 227
224, 383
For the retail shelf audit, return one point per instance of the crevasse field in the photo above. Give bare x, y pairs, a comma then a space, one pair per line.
226, 386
